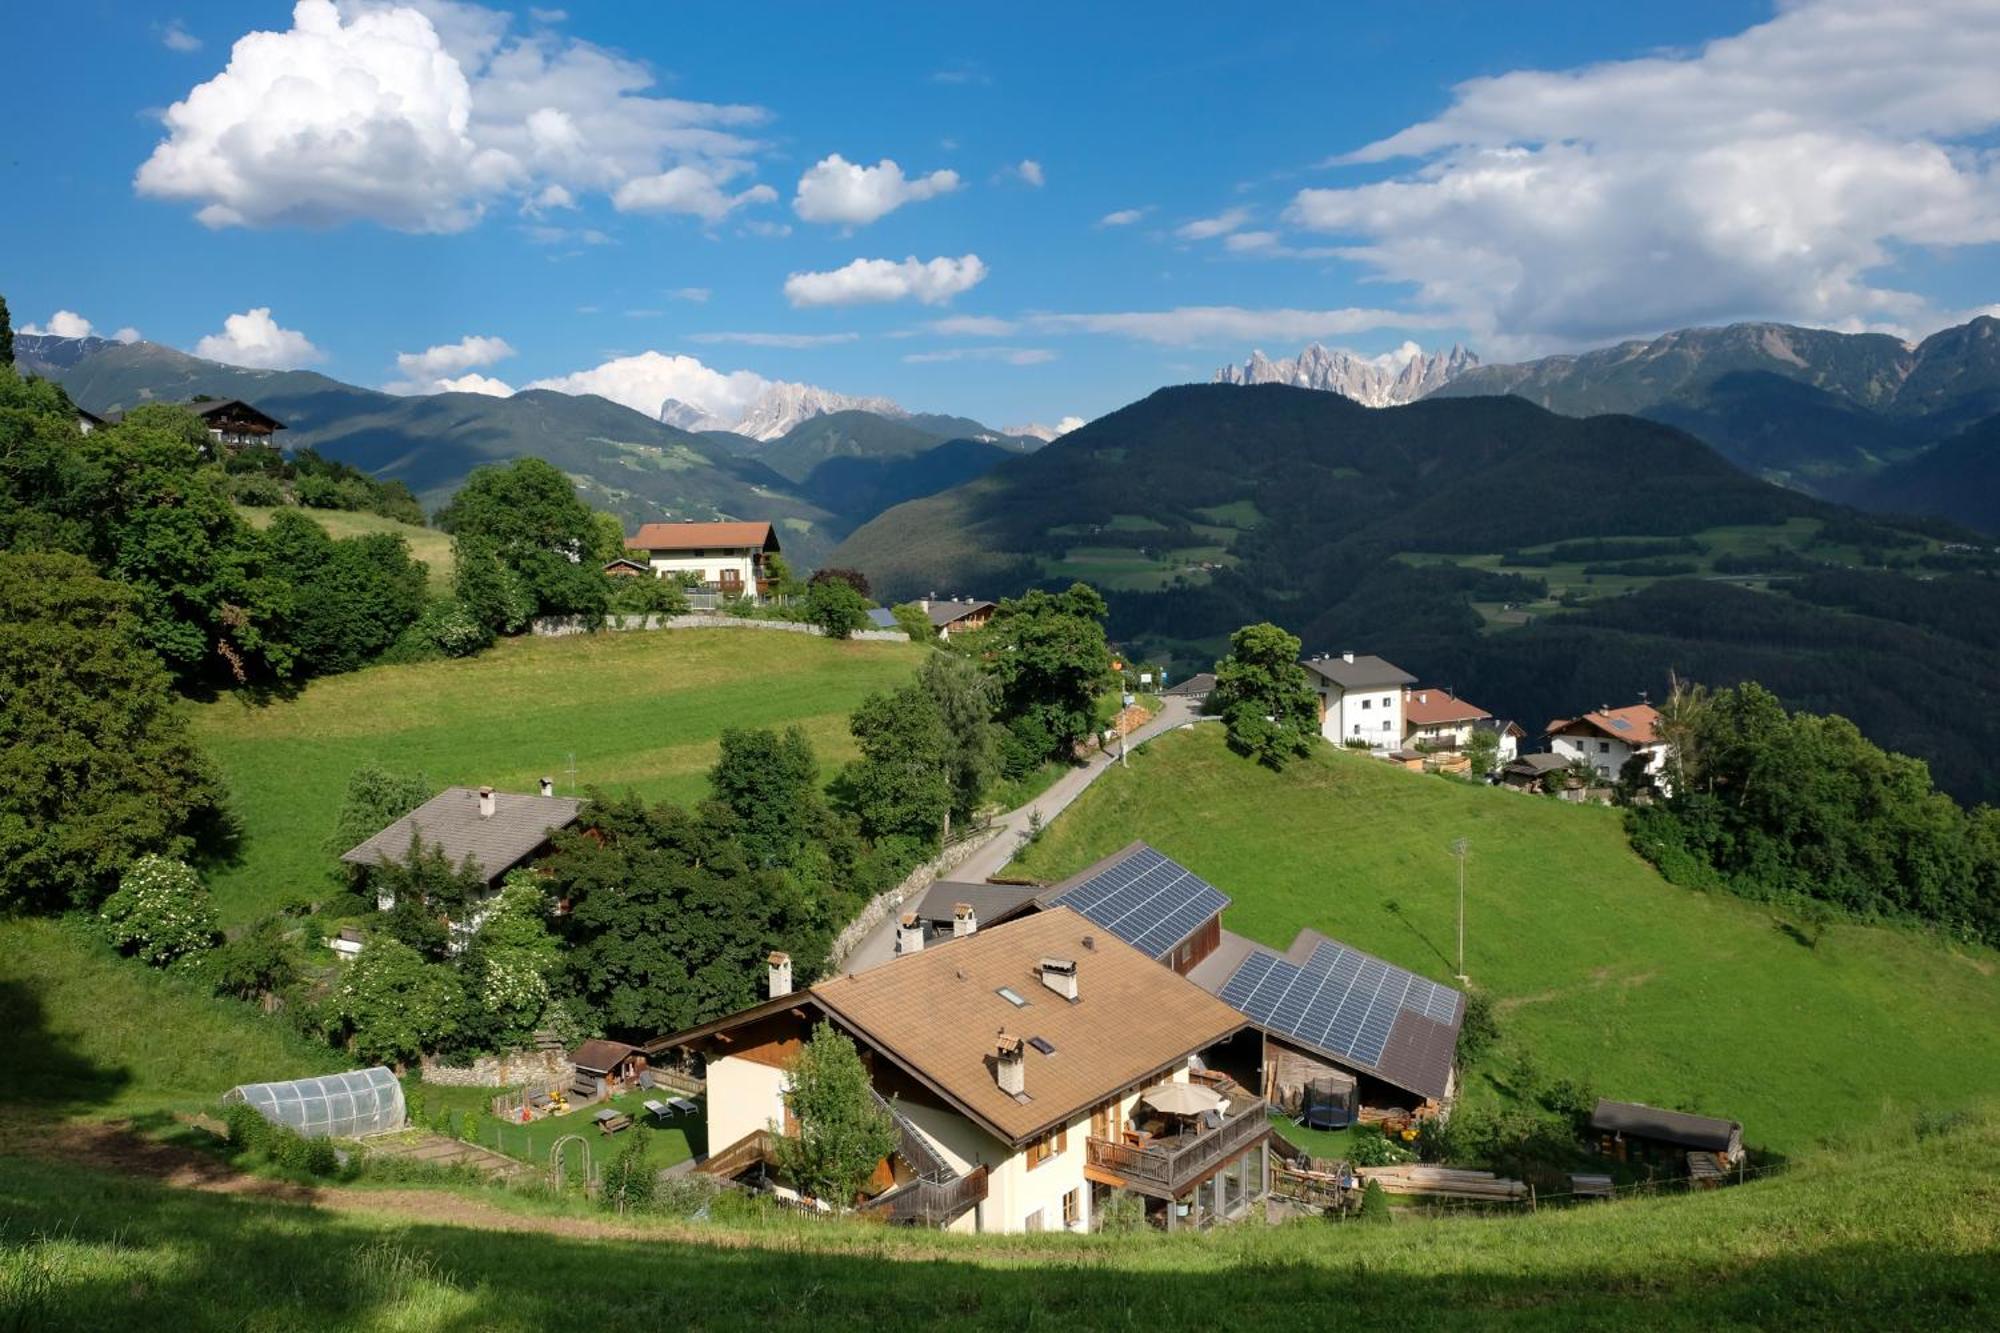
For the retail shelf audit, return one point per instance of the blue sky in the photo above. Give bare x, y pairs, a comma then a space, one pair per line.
572, 190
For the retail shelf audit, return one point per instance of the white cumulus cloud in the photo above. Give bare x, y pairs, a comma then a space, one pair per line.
692, 190
256, 340
834, 190
62, 324
1030, 172
432, 370
175, 37
875, 280
1777, 173
473, 383
645, 381
128, 334
1124, 217
417, 115
1202, 229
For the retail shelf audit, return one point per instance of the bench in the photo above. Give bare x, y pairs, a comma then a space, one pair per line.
611, 1122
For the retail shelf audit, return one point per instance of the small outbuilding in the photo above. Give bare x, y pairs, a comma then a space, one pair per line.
1632, 1129
336, 1106
605, 1068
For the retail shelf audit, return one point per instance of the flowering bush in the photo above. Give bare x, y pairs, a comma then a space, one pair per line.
161, 912
1377, 1150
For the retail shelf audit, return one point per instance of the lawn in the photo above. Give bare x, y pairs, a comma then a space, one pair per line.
1600, 970
1900, 1235
679, 1139
90, 1034
426, 544
639, 711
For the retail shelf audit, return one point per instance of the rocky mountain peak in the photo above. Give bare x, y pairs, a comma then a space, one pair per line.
1384, 381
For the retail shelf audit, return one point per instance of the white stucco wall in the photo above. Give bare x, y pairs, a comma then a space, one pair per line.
1014, 1190
1607, 755
743, 1097
1373, 714
706, 566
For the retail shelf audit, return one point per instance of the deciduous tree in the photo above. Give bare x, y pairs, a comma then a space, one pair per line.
901, 786
836, 608
96, 764
842, 1132
1049, 654
1265, 697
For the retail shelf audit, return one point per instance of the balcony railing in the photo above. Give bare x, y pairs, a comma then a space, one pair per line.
930, 1203
1167, 1167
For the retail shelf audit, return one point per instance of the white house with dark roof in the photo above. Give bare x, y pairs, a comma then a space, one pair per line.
1360, 699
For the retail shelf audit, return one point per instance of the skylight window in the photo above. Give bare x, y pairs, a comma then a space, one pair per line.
1042, 1044
1013, 997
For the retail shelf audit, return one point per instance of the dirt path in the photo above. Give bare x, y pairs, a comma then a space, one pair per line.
115, 1147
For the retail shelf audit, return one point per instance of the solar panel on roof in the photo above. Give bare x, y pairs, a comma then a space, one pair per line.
1621, 724
1340, 1000
1146, 899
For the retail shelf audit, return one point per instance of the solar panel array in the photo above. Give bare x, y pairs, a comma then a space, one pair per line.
1341, 1000
1147, 900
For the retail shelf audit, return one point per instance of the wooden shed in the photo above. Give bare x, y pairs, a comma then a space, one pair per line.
605, 1068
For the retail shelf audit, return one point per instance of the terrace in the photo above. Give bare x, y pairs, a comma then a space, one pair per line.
1166, 1165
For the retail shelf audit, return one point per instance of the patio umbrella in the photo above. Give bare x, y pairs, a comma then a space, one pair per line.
1182, 1099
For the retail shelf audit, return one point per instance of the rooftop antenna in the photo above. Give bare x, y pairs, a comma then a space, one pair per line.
1461, 848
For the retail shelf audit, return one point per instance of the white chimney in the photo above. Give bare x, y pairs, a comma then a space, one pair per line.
1347, 658
963, 922
548, 786
1010, 1069
909, 934
486, 803
1059, 975
781, 973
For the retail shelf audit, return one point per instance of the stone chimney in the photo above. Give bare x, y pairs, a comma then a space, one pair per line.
1010, 1068
486, 803
548, 786
781, 973
963, 922
1059, 975
909, 934
1347, 658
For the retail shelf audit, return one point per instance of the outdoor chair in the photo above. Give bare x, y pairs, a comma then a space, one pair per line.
660, 1111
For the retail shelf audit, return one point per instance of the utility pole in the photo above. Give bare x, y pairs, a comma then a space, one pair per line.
572, 772
1459, 848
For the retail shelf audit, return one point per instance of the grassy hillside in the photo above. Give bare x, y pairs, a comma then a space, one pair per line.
635, 710
1601, 971
93, 1034
427, 544
1898, 1236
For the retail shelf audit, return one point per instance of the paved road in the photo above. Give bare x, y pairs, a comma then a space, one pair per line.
879, 946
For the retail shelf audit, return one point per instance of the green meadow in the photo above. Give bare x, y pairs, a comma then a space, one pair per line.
1600, 970
429, 545
640, 711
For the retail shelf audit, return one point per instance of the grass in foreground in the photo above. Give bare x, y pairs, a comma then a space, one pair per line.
429, 545
635, 710
1901, 1235
1601, 971
89, 1033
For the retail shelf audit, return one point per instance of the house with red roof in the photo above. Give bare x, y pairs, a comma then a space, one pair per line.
1606, 738
732, 559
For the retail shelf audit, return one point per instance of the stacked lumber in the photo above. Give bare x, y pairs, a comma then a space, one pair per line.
1444, 1182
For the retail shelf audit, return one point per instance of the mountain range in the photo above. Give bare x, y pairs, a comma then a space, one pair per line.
1370, 381
621, 461
776, 411
1844, 415
1202, 508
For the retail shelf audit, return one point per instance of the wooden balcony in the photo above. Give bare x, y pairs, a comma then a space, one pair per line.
930, 1203
1167, 1167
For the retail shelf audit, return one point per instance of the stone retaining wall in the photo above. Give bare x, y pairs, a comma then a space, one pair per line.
557, 627
541, 1068
887, 901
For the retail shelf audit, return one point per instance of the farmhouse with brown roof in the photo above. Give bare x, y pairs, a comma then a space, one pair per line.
1606, 738
731, 559
1035, 1068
